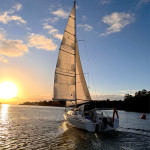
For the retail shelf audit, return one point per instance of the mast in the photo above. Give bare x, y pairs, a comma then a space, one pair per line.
75, 58
69, 80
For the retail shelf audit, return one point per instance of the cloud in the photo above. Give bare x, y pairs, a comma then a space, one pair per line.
59, 36
5, 18
8, 16
1, 36
51, 20
41, 42
142, 2
84, 18
86, 27
52, 31
103, 2
61, 13
77, 7
99, 96
2, 59
2, 33
117, 21
119, 96
12, 48
131, 92
107, 96
17, 7
128, 91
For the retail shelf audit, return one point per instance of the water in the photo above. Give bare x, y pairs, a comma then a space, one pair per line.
43, 128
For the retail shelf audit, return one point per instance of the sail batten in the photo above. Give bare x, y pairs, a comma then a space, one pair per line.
64, 74
67, 52
69, 82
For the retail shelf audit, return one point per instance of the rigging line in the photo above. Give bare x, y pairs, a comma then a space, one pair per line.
89, 65
91, 71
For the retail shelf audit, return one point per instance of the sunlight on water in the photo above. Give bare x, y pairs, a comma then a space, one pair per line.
44, 128
63, 127
4, 112
3, 123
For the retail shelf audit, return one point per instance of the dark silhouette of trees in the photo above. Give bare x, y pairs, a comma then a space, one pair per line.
140, 102
127, 96
47, 103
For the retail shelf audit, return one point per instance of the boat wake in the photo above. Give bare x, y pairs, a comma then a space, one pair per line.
136, 131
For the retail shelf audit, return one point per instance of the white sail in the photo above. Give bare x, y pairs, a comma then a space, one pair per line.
69, 82
64, 82
82, 91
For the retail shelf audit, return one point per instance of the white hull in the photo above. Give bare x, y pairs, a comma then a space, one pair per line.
81, 122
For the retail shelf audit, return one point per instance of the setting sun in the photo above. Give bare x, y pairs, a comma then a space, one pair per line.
8, 90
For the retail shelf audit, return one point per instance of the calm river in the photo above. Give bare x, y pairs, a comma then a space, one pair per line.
43, 128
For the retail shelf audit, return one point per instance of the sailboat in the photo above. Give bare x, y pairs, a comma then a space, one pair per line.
70, 85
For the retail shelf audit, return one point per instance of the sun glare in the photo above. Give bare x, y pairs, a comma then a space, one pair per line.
8, 90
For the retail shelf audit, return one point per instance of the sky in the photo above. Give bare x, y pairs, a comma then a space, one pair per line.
113, 39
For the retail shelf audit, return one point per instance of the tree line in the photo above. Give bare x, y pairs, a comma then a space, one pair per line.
140, 102
46, 103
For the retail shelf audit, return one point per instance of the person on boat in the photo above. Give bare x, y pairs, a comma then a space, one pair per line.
92, 115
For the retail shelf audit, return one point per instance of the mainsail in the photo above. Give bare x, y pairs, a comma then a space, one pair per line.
69, 81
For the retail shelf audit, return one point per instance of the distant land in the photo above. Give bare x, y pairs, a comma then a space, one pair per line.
140, 102
47, 103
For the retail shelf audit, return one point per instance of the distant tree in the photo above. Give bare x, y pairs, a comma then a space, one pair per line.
144, 92
139, 93
127, 96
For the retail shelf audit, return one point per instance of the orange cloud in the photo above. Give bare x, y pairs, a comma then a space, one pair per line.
41, 42
2, 59
12, 48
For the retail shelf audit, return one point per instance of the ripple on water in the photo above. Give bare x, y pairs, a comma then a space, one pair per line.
28, 127
43, 128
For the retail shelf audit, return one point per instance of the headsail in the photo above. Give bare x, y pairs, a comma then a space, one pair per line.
69, 82
82, 91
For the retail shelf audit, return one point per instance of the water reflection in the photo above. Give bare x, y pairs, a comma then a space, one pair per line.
4, 124
73, 138
63, 126
4, 112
